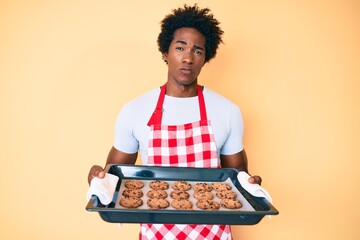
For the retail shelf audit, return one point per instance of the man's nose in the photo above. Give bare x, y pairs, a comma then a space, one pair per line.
188, 57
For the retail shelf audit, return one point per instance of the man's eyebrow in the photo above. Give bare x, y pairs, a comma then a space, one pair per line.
185, 43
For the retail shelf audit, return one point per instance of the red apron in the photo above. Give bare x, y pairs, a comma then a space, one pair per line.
188, 145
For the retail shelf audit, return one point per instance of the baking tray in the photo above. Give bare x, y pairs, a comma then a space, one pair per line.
112, 213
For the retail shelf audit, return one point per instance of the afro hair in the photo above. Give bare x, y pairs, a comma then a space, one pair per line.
191, 17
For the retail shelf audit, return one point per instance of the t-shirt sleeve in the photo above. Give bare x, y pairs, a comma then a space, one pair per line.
124, 139
234, 143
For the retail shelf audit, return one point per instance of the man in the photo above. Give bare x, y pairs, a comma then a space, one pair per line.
200, 127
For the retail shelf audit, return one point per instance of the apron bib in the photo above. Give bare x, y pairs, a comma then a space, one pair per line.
187, 145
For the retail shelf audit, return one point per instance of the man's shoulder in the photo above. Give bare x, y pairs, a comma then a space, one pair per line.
141, 105
145, 98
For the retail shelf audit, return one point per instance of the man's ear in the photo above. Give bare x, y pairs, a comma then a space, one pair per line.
165, 57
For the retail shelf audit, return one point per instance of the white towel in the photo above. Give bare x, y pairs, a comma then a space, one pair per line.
254, 189
103, 188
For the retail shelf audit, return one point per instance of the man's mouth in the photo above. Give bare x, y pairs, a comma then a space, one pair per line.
186, 70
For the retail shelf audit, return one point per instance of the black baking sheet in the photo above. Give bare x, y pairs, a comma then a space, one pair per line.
111, 213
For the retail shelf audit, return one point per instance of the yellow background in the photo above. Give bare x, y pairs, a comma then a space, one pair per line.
67, 67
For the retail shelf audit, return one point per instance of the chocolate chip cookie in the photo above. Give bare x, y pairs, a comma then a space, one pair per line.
131, 202
202, 187
181, 185
157, 203
133, 193
230, 203
208, 204
134, 184
157, 193
159, 185
203, 195
220, 186
182, 204
177, 194
226, 194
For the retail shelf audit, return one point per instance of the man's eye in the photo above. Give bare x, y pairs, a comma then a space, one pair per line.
198, 52
179, 48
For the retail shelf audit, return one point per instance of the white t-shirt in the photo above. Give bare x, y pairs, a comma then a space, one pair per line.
132, 131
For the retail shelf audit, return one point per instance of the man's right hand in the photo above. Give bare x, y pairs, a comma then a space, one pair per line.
96, 171
115, 157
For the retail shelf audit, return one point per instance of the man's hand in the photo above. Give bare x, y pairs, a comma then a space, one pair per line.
255, 180
96, 171
240, 162
115, 157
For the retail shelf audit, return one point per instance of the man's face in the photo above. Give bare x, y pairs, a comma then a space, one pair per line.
186, 56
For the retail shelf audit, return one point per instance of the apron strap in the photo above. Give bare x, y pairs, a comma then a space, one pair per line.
202, 107
156, 117
157, 114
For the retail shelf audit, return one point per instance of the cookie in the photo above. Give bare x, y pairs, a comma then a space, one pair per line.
202, 187
203, 195
159, 185
182, 204
182, 186
134, 184
230, 203
220, 186
133, 193
131, 202
177, 194
157, 193
157, 203
208, 204
226, 194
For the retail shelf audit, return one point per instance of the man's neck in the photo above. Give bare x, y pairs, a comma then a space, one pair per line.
181, 91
